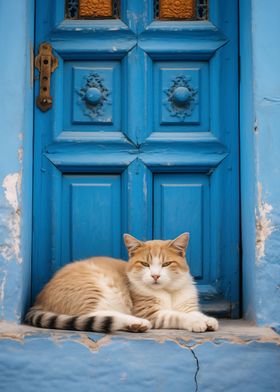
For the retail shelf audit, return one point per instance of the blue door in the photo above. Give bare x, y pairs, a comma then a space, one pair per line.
141, 136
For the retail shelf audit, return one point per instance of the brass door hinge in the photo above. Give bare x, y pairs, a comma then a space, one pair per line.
46, 63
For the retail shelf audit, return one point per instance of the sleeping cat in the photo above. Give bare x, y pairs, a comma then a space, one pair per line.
154, 289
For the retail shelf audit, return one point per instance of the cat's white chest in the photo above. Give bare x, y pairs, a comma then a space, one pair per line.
176, 300
165, 299
182, 299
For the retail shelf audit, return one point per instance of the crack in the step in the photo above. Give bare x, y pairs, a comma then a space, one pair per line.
197, 369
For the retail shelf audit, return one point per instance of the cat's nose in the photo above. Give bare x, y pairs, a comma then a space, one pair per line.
155, 277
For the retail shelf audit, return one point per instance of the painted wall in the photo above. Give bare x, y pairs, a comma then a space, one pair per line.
36, 360
16, 31
260, 146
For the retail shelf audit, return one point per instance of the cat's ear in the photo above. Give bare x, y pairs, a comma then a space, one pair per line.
131, 243
180, 243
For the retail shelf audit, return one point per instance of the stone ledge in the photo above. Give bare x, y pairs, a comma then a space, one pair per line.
235, 331
238, 357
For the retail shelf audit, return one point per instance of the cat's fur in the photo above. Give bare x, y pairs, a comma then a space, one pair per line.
154, 289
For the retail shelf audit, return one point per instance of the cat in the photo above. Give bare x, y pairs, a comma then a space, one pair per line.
154, 289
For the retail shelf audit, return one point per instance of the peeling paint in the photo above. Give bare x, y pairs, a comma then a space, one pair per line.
264, 226
145, 188
91, 344
3, 281
20, 154
231, 331
12, 185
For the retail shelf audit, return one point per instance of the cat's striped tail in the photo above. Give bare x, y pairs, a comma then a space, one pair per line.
100, 321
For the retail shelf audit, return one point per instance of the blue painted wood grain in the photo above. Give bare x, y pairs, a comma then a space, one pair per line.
91, 216
164, 168
182, 203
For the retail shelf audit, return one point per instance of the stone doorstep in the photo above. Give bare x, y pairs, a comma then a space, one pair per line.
231, 331
238, 357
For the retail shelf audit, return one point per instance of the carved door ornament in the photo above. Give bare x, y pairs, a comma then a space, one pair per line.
94, 95
181, 97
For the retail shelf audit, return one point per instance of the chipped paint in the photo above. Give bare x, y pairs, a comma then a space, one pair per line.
3, 281
12, 187
20, 154
264, 226
232, 331
92, 344
145, 187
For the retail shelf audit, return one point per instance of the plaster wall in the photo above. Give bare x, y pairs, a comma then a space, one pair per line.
16, 31
260, 168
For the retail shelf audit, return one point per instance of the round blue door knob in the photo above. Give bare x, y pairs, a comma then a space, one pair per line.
93, 95
181, 95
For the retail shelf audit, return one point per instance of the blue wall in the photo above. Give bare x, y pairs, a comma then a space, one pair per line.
137, 362
260, 166
16, 31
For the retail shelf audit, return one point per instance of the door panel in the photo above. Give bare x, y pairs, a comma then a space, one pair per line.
91, 216
175, 82
142, 138
92, 96
180, 201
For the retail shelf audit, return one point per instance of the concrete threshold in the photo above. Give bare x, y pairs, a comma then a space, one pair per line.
238, 357
235, 331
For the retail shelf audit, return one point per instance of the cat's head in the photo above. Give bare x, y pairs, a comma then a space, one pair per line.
157, 264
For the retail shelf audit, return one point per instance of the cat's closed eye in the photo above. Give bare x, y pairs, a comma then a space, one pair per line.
144, 263
167, 263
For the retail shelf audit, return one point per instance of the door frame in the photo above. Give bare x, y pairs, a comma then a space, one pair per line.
156, 167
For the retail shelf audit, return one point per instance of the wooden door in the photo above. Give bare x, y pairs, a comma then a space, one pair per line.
142, 136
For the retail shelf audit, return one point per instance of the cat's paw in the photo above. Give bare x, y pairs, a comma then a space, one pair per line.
139, 325
197, 325
212, 324
202, 324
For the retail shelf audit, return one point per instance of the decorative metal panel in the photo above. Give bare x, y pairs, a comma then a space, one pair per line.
181, 9
95, 8
92, 9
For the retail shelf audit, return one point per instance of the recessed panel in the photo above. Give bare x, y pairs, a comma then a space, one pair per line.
92, 96
181, 93
91, 217
181, 204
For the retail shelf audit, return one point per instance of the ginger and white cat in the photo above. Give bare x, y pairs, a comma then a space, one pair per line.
154, 289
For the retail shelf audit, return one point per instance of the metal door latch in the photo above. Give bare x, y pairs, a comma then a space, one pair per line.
46, 63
